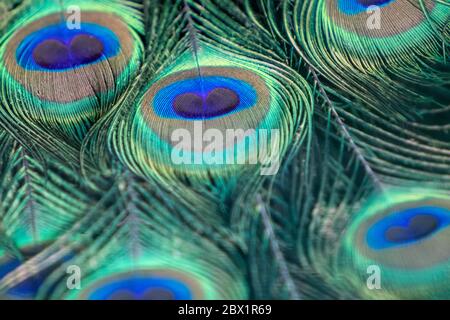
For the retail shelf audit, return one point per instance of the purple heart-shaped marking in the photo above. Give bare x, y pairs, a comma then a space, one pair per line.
368, 3
55, 54
86, 48
418, 227
219, 101
158, 294
52, 54
122, 295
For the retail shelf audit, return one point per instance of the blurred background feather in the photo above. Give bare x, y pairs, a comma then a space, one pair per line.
87, 178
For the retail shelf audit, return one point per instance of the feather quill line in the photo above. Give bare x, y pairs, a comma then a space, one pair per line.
345, 131
58, 249
276, 249
132, 219
194, 39
29, 194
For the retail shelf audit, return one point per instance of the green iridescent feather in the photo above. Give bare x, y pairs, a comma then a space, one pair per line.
363, 120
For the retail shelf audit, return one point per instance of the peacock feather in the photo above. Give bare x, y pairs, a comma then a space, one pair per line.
65, 78
406, 231
207, 149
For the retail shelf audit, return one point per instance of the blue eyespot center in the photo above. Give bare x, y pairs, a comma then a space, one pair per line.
407, 227
368, 3
218, 101
57, 48
209, 97
418, 227
352, 7
55, 54
150, 294
142, 288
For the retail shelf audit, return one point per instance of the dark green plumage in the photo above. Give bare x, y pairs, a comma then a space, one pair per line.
355, 121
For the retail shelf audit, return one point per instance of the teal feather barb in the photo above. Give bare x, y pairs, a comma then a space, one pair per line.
97, 175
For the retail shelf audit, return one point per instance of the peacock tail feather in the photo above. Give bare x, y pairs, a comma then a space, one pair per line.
65, 77
406, 231
378, 52
239, 93
115, 162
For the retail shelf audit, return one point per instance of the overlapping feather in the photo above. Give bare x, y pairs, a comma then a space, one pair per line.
363, 123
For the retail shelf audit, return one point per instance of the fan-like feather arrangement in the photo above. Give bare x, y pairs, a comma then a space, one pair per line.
353, 98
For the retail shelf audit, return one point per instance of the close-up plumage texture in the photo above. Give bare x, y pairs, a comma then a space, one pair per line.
210, 149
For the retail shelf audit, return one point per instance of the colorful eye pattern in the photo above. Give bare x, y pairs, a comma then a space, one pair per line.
407, 226
215, 97
222, 98
407, 236
396, 16
56, 48
64, 65
145, 285
64, 78
357, 6
203, 99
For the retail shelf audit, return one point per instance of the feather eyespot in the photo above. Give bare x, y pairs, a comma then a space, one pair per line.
352, 7
57, 54
66, 78
144, 285
398, 235
153, 293
68, 61
216, 102
222, 98
407, 226
219, 99
407, 237
217, 115
157, 276
373, 2
396, 17
217, 92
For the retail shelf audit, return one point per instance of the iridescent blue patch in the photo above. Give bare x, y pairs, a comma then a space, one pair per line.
352, 7
164, 99
139, 286
59, 32
26, 289
402, 223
